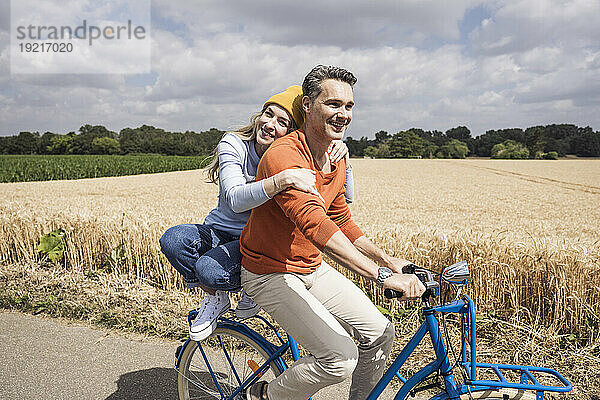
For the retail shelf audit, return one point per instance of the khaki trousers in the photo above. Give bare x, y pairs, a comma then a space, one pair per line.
322, 310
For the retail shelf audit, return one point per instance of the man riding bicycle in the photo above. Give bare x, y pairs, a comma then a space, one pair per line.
283, 270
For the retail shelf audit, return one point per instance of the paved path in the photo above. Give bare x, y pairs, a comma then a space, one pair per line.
49, 359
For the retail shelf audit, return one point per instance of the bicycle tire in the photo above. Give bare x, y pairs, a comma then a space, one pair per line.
194, 380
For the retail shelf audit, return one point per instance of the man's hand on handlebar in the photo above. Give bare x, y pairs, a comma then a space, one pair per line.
397, 263
409, 284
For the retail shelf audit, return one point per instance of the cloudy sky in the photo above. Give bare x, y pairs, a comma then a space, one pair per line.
420, 63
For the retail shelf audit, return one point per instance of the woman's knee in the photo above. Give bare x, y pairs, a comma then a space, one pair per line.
174, 239
220, 269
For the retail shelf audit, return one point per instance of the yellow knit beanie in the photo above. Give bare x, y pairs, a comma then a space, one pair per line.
291, 100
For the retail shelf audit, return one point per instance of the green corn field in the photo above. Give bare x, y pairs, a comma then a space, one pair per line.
26, 168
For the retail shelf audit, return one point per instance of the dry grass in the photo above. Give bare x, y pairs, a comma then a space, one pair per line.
528, 228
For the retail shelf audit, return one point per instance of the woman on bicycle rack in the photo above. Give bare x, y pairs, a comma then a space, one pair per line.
208, 255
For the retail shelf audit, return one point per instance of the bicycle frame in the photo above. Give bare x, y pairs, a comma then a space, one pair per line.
466, 308
441, 362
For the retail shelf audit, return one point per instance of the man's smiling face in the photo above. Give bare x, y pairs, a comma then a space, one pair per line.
331, 112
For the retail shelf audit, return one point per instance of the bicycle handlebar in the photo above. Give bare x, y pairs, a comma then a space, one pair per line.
432, 287
392, 294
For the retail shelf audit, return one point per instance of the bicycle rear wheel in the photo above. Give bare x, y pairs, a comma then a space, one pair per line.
232, 357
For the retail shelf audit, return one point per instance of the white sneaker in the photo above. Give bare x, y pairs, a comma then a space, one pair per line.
246, 307
211, 308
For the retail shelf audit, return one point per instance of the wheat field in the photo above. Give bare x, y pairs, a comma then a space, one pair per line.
528, 228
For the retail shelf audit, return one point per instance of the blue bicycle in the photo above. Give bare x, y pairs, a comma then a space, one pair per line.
235, 356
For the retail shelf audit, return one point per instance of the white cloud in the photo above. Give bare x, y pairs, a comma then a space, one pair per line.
521, 25
571, 84
171, 107
337, 22
491, 98
541, 60
528, 63
4, 55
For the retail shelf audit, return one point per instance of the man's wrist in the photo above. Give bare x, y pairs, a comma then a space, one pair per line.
382, 274
386, 261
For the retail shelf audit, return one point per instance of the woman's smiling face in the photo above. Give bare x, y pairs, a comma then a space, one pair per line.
273, 123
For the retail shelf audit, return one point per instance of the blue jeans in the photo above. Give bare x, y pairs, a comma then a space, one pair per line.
204, 256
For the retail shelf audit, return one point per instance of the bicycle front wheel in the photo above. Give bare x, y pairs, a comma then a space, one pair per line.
232, 357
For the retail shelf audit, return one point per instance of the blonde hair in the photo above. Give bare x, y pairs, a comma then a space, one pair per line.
245, 133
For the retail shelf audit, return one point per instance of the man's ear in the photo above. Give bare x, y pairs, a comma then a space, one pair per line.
306, 104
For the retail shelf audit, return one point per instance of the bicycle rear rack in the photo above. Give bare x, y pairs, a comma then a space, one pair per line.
528, 380
526, 373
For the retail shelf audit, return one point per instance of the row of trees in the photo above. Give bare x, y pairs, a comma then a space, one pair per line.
99, 140
550, 141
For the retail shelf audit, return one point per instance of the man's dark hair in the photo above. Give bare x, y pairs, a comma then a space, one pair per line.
311, 86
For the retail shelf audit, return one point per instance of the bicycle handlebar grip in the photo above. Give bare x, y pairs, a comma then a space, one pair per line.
393, 294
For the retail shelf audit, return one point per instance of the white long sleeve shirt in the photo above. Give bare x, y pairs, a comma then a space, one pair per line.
239, 192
